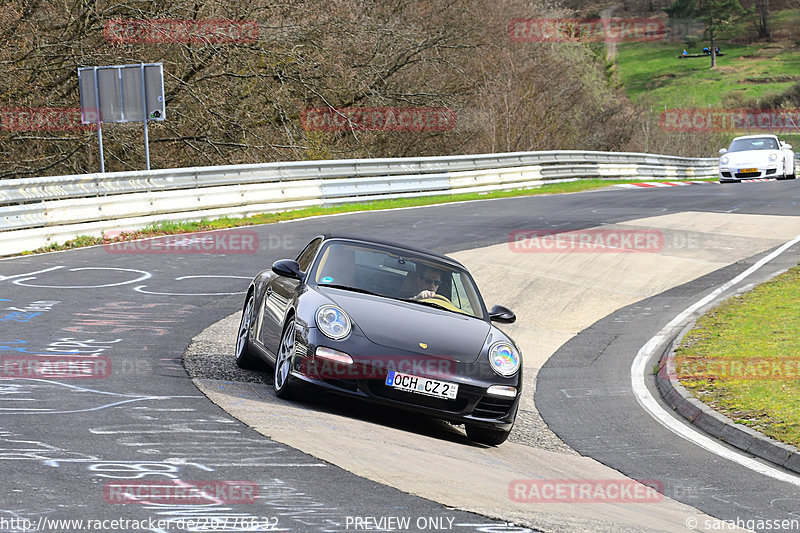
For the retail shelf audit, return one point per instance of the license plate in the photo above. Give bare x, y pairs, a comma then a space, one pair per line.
743, 170
418, 385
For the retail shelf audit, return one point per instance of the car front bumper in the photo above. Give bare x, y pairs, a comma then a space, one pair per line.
366, 379
729, 173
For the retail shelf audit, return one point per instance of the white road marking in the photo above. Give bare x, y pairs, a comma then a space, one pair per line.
129, 398
144, 276
691, 434
4, 278
140, 288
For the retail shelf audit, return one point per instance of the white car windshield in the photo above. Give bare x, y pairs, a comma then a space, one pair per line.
755, 143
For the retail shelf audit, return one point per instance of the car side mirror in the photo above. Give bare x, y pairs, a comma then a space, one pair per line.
723, 151
288, 268
498, 313
787, 146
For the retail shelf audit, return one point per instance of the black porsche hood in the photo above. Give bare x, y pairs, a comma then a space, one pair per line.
404, 325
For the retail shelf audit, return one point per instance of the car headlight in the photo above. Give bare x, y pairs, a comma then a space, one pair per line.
723, 160
773, 157
504, 359
333, 322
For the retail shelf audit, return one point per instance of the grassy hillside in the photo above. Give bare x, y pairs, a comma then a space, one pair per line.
744, 75
751, 74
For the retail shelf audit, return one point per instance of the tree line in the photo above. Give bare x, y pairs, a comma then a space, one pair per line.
239, 93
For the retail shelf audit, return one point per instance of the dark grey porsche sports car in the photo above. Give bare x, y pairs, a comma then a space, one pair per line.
389, 324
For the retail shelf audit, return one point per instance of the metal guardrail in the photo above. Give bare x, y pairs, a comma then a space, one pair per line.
36, 211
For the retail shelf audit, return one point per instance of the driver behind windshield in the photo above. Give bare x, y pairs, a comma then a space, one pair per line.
427, 282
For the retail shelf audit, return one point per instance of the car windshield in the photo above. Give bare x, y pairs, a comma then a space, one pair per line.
755, 143
403, 276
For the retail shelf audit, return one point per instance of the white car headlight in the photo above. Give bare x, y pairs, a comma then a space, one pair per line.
504, 359
333, 322
723, 160
773, 157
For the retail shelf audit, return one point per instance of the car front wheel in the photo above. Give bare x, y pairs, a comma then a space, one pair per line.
282, 382
489, 436
244, 356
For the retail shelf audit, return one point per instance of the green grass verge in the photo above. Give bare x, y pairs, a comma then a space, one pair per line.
171, 228
743, 358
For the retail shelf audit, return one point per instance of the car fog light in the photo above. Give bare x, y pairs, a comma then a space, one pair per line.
333, 355
499, 390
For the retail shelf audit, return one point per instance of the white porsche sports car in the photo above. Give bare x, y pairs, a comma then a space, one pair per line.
756, 156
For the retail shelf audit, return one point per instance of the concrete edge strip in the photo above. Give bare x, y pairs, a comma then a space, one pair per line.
690, 432
717, 424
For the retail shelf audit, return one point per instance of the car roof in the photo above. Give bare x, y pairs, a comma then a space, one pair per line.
399, 246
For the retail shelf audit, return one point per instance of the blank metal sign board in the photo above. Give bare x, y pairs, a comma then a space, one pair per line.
118, 92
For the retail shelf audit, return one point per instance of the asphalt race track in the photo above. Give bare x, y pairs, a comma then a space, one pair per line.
124, 317
584, 394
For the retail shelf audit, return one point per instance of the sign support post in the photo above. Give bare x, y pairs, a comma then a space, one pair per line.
97, 121
144, 119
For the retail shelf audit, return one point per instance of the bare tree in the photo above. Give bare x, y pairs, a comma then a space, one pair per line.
762, 8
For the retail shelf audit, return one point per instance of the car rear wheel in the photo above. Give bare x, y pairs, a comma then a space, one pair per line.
282, 382
244, 356
489, 436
